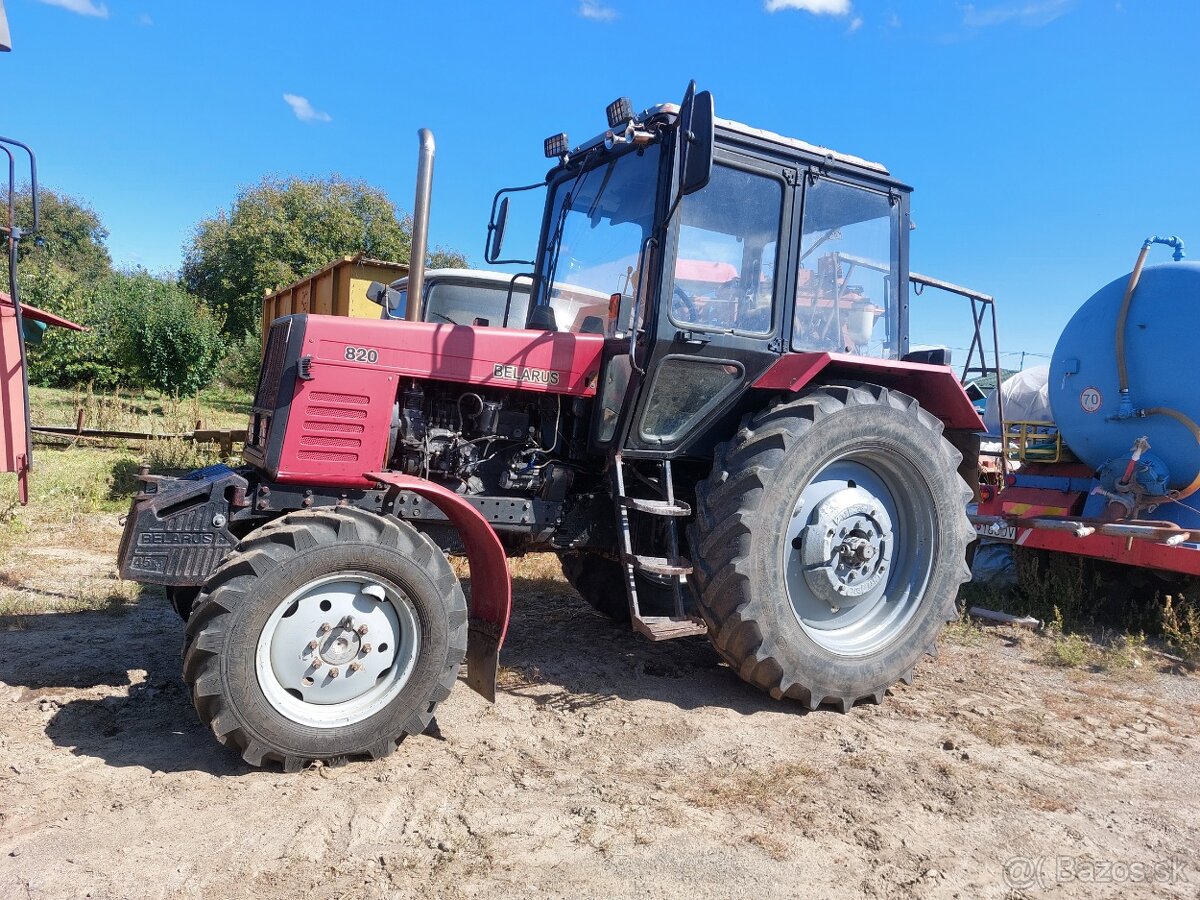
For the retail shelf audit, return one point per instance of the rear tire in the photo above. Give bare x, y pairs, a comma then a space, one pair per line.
840, 618
258, 683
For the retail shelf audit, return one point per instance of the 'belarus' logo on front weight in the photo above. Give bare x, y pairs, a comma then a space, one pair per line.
523, 373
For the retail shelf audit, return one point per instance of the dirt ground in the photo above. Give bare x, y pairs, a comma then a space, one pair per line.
609, 767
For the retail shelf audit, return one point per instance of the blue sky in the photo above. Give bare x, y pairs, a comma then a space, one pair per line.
1045, 138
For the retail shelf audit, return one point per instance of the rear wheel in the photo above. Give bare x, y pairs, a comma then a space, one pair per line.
831, 541
327, 635
601, 582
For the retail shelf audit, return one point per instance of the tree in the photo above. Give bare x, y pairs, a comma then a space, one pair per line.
284, 229
142, 331
159, 334
70, 237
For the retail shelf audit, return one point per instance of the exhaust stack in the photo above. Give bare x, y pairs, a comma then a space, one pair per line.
420, 227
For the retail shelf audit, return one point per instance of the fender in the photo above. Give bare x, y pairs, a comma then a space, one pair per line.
936, 388
491, 584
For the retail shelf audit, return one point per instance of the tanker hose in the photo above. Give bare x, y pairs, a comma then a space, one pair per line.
1123, 315
1191, 426
1134, 277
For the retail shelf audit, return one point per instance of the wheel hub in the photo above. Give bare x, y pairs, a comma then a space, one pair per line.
337, 649
847, 547
342, 644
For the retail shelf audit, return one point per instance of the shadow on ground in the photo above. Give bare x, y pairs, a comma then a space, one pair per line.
137, 712
559, 653
557, 641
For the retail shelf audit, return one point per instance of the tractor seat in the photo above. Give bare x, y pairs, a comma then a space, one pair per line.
541, 318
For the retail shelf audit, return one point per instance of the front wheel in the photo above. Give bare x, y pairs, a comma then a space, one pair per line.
327, 635
832, 534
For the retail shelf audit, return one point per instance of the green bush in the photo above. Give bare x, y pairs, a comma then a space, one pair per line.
239, 367
66, 358
162, 336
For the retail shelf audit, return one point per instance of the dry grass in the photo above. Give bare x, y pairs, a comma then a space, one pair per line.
780, 786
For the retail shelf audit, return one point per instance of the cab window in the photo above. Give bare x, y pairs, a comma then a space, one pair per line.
847, 279
724, 276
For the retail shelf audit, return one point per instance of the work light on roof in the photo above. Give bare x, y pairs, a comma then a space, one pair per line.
619, 112
557, 145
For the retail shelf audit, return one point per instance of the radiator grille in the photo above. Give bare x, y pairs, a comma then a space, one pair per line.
327, 456
314, 440
334, 427
333, 412
267, 394
344, 399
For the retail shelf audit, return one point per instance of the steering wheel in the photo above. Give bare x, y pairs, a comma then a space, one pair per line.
688, 303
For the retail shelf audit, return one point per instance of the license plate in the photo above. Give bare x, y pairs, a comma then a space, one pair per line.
997, 532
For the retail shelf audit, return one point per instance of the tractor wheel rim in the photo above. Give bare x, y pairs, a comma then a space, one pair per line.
338, 650
859, 551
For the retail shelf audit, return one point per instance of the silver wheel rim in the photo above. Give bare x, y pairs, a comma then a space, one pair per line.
338, 650
859, 550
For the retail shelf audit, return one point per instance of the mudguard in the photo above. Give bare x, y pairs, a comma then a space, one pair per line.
491, 585
936, 388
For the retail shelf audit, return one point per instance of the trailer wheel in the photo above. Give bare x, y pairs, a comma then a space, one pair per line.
831, 538
326, 635
600, 581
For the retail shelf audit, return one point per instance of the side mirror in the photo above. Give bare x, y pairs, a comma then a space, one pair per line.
696, 139
392, 300
496, 232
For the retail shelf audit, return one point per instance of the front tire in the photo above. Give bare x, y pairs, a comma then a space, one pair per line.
831, 539
306, 607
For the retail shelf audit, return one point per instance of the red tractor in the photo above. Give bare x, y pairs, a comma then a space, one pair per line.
710, 413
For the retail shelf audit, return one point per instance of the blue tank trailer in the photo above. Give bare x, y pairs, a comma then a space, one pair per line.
1116, 475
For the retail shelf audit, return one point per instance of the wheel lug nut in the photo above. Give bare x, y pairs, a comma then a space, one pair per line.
312, 645
365, 648
326, 628
355, 666
333, 673
316, 662
362, 629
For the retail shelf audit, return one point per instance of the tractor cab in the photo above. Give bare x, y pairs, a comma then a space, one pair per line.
721, 248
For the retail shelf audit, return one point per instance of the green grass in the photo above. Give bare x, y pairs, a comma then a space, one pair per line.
146, 411
58, 554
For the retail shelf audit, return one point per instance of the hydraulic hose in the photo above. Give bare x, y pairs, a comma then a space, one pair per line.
1123, 316
1123, 369
1191, 426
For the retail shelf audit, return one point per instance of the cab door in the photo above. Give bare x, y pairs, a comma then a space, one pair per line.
719, 311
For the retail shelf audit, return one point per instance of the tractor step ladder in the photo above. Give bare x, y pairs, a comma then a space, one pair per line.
673, 566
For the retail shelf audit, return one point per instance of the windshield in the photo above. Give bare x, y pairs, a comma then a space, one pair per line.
463, 303
601, 219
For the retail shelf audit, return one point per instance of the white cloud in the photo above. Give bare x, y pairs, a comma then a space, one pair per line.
816, 7
82, 7
304, 110
596, 11
1032, 13
855, 24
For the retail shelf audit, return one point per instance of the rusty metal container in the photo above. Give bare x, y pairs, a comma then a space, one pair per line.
339, 289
